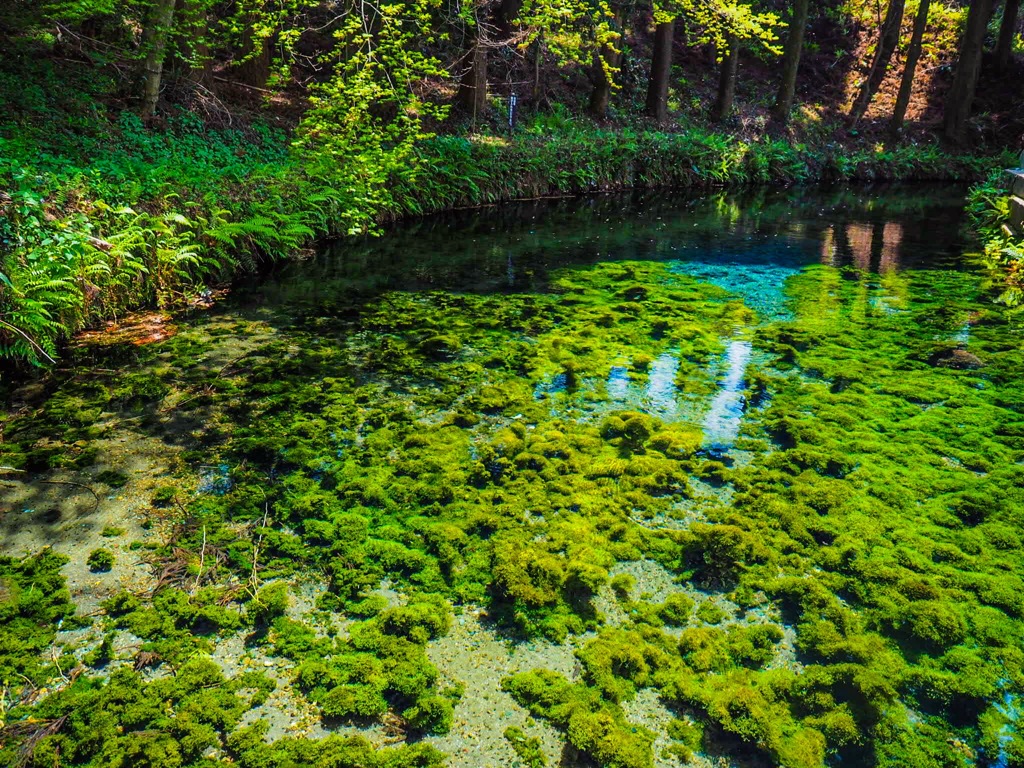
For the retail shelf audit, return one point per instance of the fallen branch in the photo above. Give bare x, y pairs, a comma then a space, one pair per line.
29, 339
102, 245
35, 731
202, 560
56, 663
243, 85
95, 495
254, 581
231, 363
208, 392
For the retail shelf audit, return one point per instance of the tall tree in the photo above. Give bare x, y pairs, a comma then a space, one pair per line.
489, 24
791, 61
888, 38
661, 70
715, 22
472, 96
505, 17
607, 60
157, 33
257, 55
1007, 32
538, 58
899, 111
264, 36
580, 32
192, 43
957, 108
727, 79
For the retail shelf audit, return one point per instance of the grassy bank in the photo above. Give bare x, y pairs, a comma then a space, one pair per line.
116, 217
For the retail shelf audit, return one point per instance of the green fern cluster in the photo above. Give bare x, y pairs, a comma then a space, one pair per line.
63, 271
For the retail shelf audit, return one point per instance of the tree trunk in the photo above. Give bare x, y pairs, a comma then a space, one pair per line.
602, 92
201, 67
472, 95
899, 112
791, 62
191, 54
887, 41
727, 79
965, 80
505, 16
538, 55
1007, 31
255, 70
157, 33
661, 70
601, 95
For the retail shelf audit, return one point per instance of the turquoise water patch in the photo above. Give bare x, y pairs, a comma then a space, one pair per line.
760, 286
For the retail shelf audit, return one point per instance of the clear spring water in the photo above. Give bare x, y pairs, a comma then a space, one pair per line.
501, 410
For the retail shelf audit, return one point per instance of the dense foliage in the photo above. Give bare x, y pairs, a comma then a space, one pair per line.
989, 208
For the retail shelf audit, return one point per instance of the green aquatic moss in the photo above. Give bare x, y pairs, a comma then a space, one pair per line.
269, 602
505, 451
381, 665
112, 478
676, 610
754, 709
175, 624
248, 748
710, 613
528, 748
622, 584
100, 560
688, 736
34, 604
177, 721
595, 727
619, 662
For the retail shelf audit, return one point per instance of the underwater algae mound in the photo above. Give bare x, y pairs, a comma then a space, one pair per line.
795, 537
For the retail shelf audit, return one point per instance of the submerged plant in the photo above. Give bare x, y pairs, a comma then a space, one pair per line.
840, 584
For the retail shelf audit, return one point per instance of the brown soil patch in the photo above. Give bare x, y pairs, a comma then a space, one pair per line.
138, 329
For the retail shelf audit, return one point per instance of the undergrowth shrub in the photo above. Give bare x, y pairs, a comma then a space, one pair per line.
988, 205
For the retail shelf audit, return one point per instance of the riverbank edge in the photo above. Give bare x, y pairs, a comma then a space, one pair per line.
991, 208
165, 250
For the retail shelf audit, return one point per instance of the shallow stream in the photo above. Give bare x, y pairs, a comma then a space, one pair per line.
744, 473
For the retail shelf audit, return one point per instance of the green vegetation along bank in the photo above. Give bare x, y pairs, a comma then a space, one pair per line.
989, 206
176, 211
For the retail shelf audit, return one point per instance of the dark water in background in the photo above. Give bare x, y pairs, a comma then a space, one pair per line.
769, 233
